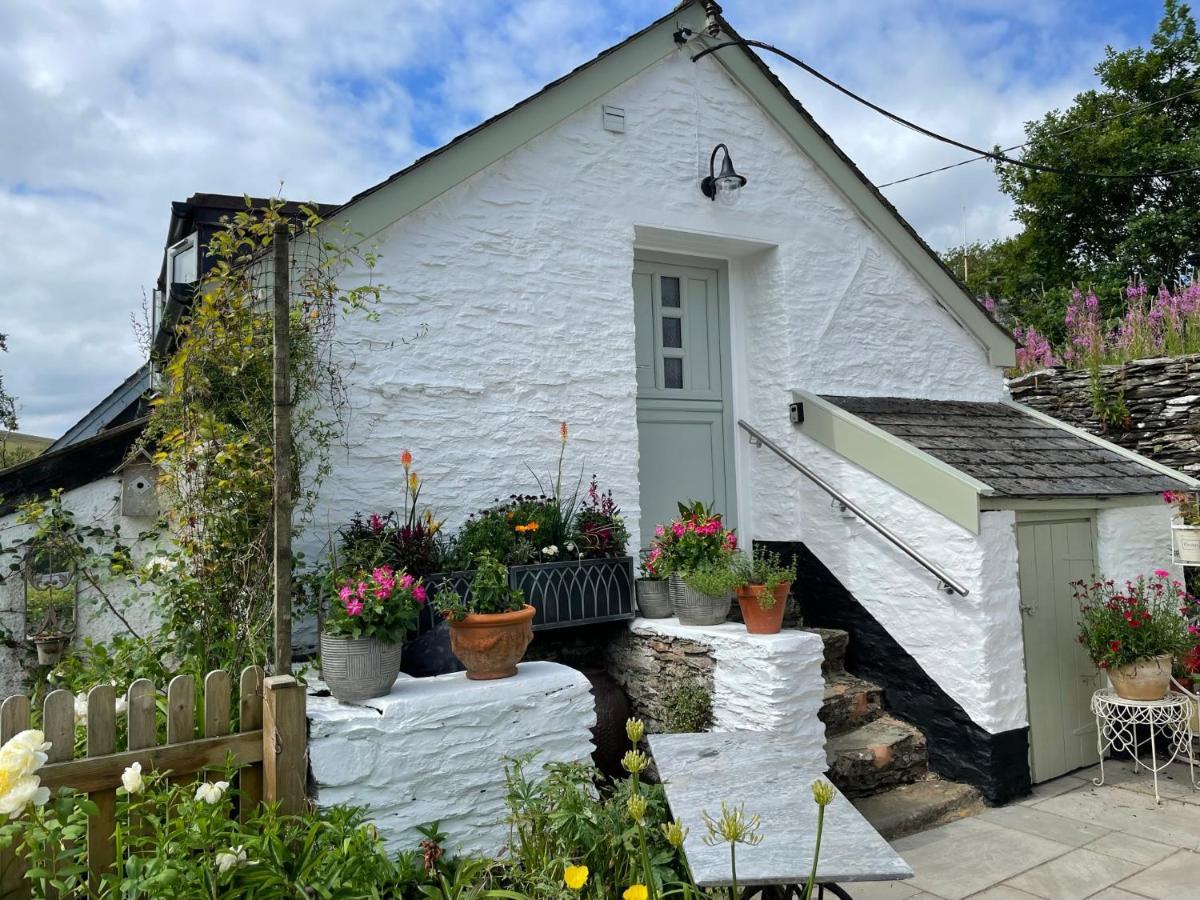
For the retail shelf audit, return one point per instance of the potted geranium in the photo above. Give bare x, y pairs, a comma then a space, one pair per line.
706, 595
362, 633
1135, 632
492, 625
1185, 533
696, 540
762, 589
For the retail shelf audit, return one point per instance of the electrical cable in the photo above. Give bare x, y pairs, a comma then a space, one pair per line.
920, 129
1089, 124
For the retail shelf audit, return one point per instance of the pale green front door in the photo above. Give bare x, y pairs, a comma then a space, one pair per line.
1059, 676
682, 379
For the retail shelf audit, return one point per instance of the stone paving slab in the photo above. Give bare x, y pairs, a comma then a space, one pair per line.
1070, 840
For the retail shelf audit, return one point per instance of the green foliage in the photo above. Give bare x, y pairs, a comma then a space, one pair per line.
8, 403
1098, 232
762, 567
687, 707
380, 604
490, 592
713, 580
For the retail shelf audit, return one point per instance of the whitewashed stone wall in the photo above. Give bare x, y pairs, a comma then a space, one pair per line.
96, 503
522, 275
1135, 540
760, 682
435, 749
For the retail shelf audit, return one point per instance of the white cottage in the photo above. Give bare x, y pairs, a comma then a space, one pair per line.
565, 264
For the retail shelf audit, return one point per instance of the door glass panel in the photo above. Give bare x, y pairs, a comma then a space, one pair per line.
670, 291
673, 372
672, 330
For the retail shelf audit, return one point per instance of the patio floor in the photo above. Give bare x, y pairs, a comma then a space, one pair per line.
1068, 841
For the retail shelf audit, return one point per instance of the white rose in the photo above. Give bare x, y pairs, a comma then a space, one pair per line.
552, 550
20, 793
211, 791
234, 857
23, 754
132, 779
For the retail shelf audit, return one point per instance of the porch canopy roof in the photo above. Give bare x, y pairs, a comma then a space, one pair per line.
959, 456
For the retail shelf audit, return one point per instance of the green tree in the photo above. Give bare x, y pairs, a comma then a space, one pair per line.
1145, 117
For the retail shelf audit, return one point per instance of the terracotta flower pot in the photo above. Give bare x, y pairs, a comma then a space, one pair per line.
1142, 679
759, 620
491, 644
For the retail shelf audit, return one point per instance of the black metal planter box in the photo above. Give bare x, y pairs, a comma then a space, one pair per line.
565, 594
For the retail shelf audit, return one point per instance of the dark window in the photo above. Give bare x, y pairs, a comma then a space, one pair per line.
672, 331
673, 372
670, 291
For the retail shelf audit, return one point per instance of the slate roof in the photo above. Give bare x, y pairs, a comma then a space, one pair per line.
1005, 447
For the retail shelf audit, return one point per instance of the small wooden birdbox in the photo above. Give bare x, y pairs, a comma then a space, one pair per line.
139, 487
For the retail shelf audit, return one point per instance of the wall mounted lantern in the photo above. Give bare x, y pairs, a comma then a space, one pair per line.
723, 188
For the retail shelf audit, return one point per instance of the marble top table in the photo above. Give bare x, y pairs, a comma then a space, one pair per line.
758, 769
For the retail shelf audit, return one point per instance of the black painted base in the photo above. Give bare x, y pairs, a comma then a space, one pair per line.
997, 764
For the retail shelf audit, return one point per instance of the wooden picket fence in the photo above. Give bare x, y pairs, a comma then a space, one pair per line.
269, 748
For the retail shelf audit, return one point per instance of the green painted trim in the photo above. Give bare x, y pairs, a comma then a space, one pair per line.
882, 219
923, 477
1107, 445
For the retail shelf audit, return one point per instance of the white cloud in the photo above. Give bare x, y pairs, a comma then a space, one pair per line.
111, 110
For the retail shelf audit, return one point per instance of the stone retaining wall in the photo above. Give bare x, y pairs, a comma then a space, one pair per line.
435, 749
1161, 395
759, 682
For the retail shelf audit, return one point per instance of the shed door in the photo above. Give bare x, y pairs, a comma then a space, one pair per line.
1059, 676
683, 433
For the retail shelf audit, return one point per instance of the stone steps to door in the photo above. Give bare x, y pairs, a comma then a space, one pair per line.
909, 808
879, 761
849, 703
881, 754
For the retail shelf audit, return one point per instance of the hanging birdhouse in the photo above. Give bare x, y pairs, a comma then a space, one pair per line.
139, 487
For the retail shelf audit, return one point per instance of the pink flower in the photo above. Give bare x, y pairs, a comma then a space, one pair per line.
406, 581
362, 590
376, 523
658, 531
346, 593
383, 573
419, 593
677, 529
354, 608
1161, 573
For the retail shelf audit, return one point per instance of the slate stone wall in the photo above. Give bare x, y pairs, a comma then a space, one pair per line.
650, 666
1162, 396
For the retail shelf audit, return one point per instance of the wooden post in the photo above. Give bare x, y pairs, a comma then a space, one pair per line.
14, 718
282, 420
250, 718
101, 741
285, 740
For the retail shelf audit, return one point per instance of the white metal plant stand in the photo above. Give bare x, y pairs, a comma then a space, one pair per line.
1118, 722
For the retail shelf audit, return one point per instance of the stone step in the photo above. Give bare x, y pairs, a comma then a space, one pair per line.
836, 642
849, 702
881, 754
910, 808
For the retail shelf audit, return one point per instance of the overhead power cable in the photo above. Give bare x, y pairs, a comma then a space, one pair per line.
1092, 123
920, 129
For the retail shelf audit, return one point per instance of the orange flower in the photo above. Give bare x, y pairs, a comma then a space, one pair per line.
530, 526
413, 481
405, 459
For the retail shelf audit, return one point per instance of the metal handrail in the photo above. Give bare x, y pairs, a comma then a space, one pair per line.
950, 585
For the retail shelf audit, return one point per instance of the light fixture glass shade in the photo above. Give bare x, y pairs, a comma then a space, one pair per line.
728, 190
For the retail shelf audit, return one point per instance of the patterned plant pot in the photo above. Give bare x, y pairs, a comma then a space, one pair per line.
654, 598
358, 668
1142, 679
760, 620
693, 608
491, 644
577, 591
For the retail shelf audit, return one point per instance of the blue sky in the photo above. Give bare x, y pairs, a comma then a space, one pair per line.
111, 109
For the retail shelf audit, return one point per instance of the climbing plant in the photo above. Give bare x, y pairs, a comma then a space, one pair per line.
210, 428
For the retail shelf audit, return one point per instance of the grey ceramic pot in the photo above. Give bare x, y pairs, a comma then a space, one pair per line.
693, 608
358, 668
653, 599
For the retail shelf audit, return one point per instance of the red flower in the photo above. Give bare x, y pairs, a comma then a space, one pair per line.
1114, 646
